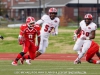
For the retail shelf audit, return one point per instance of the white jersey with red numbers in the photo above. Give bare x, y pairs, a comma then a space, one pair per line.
86, 30
48, 25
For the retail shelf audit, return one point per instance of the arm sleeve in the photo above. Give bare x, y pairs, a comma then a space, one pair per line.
56, 28
38, 28
20, 39
39, 22
21, 31
95, 27
43, 18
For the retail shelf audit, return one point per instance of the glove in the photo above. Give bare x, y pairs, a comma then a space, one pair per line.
37, 48
75, 37
1, 37
53, 34
20, 40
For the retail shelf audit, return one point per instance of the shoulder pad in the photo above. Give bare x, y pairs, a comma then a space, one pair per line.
23, 26
37, 27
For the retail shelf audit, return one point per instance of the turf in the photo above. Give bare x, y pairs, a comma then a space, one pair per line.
62, 43
43, 67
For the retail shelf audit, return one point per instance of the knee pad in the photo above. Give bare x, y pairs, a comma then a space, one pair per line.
22, 53
90, 61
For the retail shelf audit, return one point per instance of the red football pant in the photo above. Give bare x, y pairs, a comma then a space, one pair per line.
30, 47
91, 52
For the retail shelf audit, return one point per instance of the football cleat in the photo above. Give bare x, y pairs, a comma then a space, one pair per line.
77, 62
14, 63
28, 61
98, 62
21, 61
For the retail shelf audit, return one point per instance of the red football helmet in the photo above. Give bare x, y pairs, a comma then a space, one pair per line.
88, 16
30, 21
52, 10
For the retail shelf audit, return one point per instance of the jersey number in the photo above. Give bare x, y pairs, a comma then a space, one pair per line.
47, 28
30, 36
87, 33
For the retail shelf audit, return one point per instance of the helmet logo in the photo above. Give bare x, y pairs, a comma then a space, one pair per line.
88, 16
52, 10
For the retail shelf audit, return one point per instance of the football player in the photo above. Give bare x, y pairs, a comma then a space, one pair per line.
49, 22
88, 28
49, 25
94, 49
26, 38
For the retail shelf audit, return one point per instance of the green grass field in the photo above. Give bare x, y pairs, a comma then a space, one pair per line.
10, 42
62, 43
49, 68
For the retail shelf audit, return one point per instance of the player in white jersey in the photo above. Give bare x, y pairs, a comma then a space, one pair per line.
50, 25
88, 29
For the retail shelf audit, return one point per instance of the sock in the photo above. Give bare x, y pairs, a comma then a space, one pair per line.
20, 55
94, 61
80, 55
26, 57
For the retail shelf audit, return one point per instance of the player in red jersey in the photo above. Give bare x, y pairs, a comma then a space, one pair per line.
27, 38
94, 49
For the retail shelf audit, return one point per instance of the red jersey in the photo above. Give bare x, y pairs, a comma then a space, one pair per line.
29, 33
